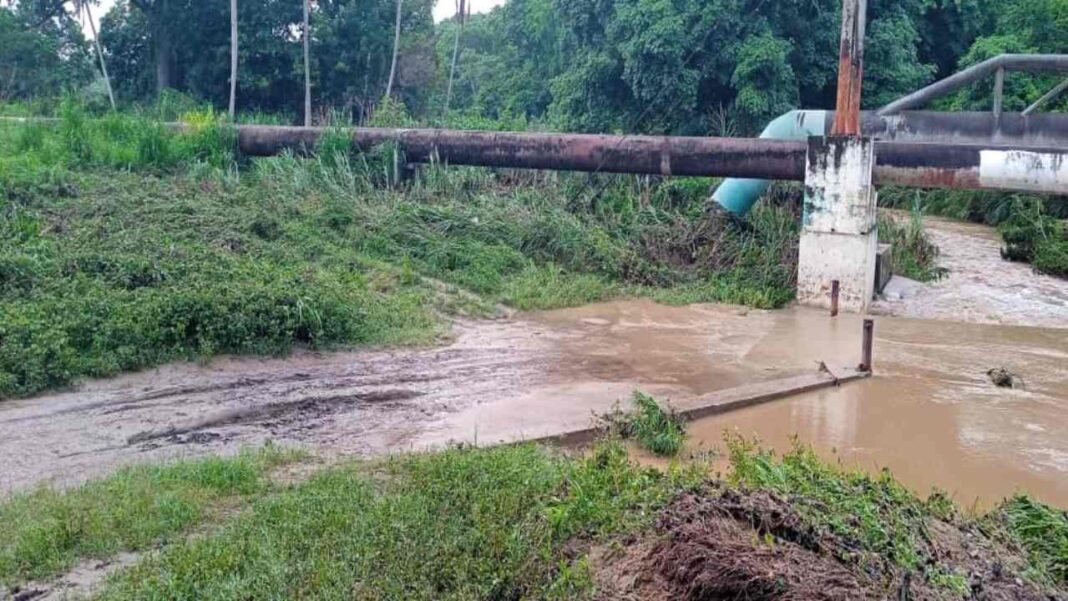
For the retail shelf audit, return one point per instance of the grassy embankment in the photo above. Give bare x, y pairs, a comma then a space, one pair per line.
524, 522
1034, 228
125, 245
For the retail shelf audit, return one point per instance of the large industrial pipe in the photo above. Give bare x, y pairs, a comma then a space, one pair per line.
1047, 130
1037, 169
660, 155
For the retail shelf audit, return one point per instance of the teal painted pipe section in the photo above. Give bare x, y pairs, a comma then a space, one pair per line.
739, 195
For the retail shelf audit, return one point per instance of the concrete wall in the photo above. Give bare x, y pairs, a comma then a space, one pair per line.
839, 237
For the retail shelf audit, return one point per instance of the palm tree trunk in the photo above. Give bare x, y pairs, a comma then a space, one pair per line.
99, 52
233, 59
462, 16
307, 66
396, 50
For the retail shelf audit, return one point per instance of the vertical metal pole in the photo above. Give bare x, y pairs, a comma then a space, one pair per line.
835, 289
850, 68
866, 348
999, 90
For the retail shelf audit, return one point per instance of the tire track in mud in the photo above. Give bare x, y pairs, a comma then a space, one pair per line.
355, 402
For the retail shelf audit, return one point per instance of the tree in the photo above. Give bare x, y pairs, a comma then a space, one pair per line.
233, 59
160, 21
307, 65
42, 51
461, 18
396, 50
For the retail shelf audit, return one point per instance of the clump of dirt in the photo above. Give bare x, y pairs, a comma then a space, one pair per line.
1003, 378
725, 544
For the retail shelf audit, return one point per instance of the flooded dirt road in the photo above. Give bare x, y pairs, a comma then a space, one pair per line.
931, 413
549, 372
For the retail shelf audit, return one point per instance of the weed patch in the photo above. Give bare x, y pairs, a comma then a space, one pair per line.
658, 430
124, 244
914, 255
46, 530
1039, 529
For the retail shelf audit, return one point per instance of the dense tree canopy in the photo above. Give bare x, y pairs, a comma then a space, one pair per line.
678, 66
42, 50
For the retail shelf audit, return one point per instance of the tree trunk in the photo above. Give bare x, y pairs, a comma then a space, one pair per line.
307, 66
164, 49
462, 16
233, 59
99, 52
396, 50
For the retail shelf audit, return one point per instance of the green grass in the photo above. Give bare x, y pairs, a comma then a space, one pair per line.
914, 255
462, 524
1042, 531
509, 522
1032, 227
878, 516
656, 429
873, 513
124, 245
47, 530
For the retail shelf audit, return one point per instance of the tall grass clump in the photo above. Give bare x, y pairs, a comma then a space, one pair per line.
124, 141
1042, 531
914, 255
656, 429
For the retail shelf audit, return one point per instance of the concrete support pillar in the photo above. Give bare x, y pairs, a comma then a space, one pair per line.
839, 237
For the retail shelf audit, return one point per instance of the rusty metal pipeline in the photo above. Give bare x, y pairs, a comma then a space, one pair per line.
914, 164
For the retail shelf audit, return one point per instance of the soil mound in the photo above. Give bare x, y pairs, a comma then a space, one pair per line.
724, 544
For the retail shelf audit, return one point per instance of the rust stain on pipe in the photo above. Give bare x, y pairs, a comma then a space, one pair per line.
655, 155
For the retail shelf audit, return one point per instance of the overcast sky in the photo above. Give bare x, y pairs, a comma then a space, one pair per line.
443, 10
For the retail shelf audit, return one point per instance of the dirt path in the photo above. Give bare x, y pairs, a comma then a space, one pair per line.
549, 372
980, 286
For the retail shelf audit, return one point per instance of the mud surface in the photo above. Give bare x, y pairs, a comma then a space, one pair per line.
931, 414
721, 544
980, 287
536, 375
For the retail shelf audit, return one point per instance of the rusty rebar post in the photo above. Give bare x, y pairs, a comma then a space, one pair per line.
835, 289
850, 68
866, 346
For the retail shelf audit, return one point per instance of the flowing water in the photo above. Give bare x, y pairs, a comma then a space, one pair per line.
930, 414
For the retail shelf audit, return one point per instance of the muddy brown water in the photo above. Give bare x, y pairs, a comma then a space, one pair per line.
931, 414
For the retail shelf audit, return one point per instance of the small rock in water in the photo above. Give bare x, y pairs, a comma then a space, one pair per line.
1003, 378
596, 321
